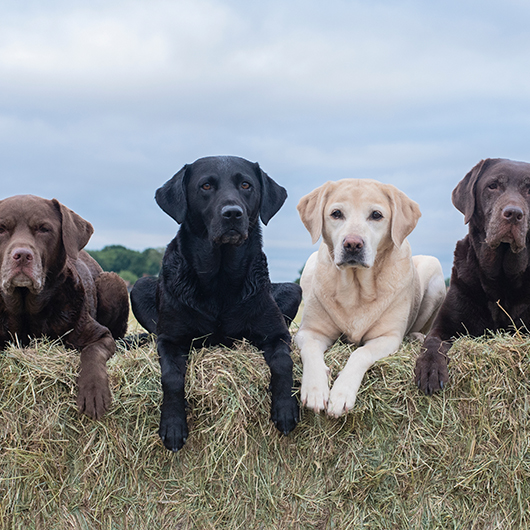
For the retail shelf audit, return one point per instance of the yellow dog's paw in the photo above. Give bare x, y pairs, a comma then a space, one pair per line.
315, 390
341, 398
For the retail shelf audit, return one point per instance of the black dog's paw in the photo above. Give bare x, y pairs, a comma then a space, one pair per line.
430, 373
135, 341
285, 414
173, 431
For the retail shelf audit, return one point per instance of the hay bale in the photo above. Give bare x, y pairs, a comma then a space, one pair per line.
399, 460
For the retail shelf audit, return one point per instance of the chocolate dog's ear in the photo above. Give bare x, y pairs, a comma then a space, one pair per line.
405, 214
76, 231
463, 195
311, 209
171, 197
272, 195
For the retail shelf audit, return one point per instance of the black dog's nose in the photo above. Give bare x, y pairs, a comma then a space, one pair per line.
513, 214
232, 212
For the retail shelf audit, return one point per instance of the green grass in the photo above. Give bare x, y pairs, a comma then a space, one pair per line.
399, 460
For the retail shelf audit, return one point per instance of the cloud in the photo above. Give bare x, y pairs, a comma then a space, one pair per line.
103, 102
371, 58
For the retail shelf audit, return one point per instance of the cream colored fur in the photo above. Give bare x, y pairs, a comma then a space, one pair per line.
374, 300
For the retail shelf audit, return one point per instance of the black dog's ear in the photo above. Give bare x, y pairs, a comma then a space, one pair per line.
171, 197
463, 195
272, 195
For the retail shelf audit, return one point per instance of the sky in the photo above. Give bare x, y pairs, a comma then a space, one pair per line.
102, 102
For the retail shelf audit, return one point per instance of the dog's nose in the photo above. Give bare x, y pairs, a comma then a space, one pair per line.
352, 243
232, 212
513, 214
22, 255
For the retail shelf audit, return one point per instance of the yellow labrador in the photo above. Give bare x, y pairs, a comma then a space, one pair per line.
362, 283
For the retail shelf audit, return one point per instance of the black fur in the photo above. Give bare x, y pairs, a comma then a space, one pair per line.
214, 284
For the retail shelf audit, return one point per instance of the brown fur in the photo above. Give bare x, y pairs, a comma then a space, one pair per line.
490, 281
50, 287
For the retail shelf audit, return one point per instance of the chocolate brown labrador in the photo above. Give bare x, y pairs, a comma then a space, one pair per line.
49, 287
490, 281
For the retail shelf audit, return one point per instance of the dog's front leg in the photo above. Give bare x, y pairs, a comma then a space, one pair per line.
344, 392
315, 387
284, 405
431, 372
173, 362
94, 397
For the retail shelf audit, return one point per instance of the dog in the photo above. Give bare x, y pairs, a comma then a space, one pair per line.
361, 284
50, 287
214, 284
490, 280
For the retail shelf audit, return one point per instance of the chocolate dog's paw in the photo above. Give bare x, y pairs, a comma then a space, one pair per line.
173, 430
94, 398
430, 373
285, 414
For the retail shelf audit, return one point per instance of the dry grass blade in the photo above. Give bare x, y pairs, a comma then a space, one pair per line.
400, 460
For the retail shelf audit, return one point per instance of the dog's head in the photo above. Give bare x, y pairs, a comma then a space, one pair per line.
221, 198
357, 218
495, 199
36, 237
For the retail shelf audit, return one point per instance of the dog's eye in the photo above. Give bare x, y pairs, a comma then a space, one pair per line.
43, 229
206, 186
493, 185
376, 215
336, 214
3, 229
245, 185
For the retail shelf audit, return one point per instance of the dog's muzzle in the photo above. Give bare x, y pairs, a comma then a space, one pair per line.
352, 253
21, 269
509, 226
233, 226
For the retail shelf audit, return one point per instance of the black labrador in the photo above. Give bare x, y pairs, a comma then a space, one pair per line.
490, 281
214, 283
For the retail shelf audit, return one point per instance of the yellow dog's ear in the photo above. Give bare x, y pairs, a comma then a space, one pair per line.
405, 214
311, 209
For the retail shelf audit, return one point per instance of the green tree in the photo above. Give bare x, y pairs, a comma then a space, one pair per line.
129, 264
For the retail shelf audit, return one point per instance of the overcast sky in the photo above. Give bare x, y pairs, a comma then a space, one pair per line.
101, 102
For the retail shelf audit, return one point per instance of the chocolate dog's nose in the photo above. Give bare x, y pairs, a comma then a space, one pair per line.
513, 214
232, 212
22, 255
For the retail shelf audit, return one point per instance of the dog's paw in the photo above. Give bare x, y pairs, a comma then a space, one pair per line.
430, 373
341, 398
285, 414
173, 430
416, 336
94, 397
314, 393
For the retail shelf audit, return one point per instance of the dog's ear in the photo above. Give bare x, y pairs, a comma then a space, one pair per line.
463, 195
405, 214
172, 197
76, 232
311, 210
272, 195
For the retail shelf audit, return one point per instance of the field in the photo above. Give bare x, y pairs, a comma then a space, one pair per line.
400, 460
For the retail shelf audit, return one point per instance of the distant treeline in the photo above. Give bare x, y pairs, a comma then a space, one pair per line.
129, 264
